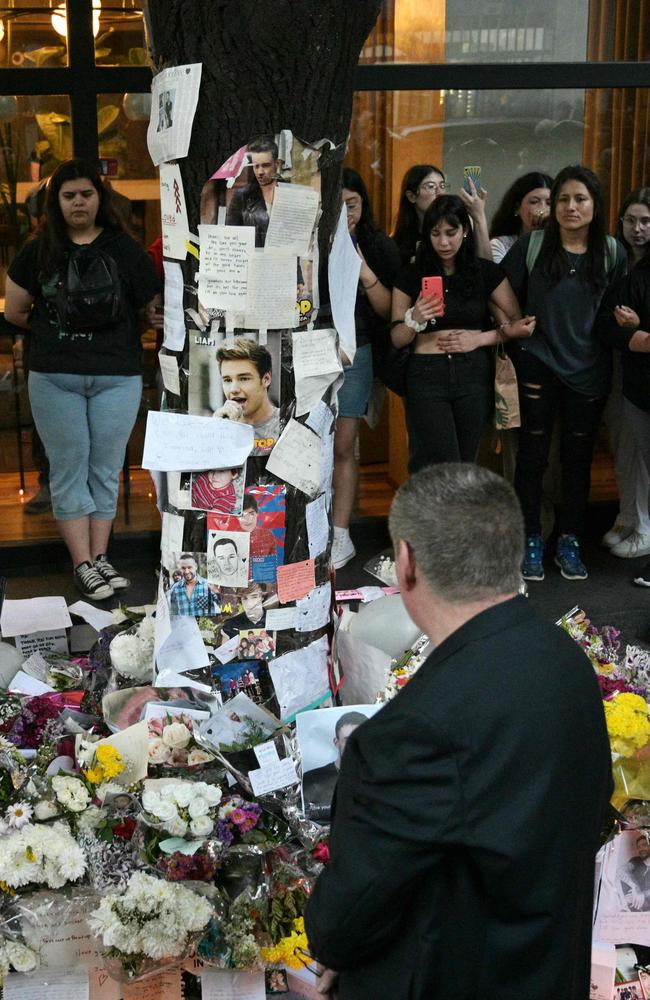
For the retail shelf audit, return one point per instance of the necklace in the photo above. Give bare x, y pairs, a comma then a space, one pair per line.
573, 260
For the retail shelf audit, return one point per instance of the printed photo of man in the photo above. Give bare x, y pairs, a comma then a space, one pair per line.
251, 205
246, 372
318, 784
191, 594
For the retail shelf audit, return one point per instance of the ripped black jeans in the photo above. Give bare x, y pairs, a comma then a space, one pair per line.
541, 396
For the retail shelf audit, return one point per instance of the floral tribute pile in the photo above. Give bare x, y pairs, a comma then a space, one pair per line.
128, 823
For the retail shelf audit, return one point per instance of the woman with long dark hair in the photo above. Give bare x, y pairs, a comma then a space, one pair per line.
629, 536
524, 207
624, 321
379, 265
561, 276
450, 379
76, 289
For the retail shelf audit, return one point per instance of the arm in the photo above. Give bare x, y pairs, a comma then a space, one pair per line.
18, 305
398, 802
510, 326
475, 205
379, 296
424, 310
154, 312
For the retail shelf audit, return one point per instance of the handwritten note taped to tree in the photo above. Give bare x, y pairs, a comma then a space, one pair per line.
179, 442
223, 274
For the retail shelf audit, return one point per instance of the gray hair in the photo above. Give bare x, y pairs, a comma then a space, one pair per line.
465, 527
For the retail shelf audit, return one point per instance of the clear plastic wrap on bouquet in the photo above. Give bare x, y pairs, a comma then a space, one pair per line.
382, 566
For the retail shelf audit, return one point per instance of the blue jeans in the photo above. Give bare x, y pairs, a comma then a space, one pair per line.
448, 401
84, 422
357, 387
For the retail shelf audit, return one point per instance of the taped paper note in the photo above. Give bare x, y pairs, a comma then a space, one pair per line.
273, 776
296, 458
271, 291
173, 318
232, 984
318, 529
170, 373
174, 96
183, 649
343, 269
315, 353
293, 217
176, 441
312, 611
300, 678
295, 580
171, 539
223, 274
173, 213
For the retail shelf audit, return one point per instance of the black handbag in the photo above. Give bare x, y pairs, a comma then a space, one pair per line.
390, 363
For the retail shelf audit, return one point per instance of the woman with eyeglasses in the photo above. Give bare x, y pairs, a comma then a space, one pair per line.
379, 265
420, 186
624, 321
450, 378
562, 369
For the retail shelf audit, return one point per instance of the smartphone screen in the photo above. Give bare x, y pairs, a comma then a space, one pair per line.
433, 286
475, 174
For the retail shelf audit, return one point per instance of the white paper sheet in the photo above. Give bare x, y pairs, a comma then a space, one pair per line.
70, 984
278, 619
266, 754
163, 625
315, 353
366, 669
179, 498
232, 984
271, 291
36, 614
165, 985
273, 776
94, 616
159, 710
223, 274
293, 217
310, 391
170, 373
53, 641
320, 419
318, 530
603, 970
174, 96
171, 539
183, 649
343, 269
173, 316
312, 611
173, 213
172, 679
23, 683
176, 441
36, 666
228, 650
326, 466
296, 458
300, 678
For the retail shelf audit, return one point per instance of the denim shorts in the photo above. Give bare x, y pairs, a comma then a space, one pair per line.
354, 394
84, 422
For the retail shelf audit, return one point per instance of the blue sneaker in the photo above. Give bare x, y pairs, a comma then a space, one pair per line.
532, 568
567, 557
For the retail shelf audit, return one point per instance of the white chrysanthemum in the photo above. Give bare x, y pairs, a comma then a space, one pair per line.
106, 788
45, 810
18, 815
21, 957
151, 800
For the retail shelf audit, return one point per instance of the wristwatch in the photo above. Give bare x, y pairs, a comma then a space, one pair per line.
413, 323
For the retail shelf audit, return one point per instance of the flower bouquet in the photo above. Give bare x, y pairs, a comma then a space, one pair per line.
401, 671
131, 652
172, 743
150, 924
38, 855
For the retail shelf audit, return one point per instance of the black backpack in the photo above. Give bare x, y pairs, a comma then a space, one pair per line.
90, 295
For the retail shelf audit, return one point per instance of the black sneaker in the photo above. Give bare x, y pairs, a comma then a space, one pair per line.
642, 579
90, 583
110, 574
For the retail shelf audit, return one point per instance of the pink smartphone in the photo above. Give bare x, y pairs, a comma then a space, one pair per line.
433, 286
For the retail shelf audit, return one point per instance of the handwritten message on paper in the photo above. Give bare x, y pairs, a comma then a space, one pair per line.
271, 291
317, 526
165, 986
343, 269
170, 374
293, 217
273, 776
296, 580
315, 353
225, 254
69, 985
300, 678
232, 984
296, 458
177, 441
312, 611
173, 317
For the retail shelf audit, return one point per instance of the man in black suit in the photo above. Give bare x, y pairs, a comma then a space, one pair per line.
467, 811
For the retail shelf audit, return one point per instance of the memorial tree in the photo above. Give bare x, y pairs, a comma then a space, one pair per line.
267, 138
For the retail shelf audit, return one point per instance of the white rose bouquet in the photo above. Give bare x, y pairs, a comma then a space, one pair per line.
182, 808
16, 956
43, 855
172, 743
132, 652
150, 919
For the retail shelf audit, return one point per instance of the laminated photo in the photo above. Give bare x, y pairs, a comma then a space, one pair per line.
218, 490
254, 603
623, 911
322, 736
249, 677
256, 642
227, 562
189, 592
239, 379
263, 517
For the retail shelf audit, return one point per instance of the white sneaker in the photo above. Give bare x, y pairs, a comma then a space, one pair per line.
616, 534
636, 544
343, 550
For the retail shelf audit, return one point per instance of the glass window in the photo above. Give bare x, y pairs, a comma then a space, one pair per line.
119, 38
507, 133
463, 31
32, 34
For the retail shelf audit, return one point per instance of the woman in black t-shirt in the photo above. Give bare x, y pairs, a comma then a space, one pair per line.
449, 382
85, 377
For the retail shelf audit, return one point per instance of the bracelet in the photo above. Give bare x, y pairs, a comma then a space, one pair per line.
368, 287
413, 323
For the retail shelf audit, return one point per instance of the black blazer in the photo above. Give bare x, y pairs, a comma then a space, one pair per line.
466, 820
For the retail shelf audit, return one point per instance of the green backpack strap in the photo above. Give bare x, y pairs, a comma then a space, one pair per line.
535, 245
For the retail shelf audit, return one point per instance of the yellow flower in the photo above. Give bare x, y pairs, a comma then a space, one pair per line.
289, 950
628, 724
110, 760
94, 775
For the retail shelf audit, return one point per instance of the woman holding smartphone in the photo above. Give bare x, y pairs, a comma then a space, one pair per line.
448, 326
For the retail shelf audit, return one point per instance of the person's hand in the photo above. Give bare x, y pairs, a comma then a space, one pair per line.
326, 980
230, 410
635, 899
474, 200
17, 350
458, 341
154, 314
427, 308
540, 218
627, 318
524, 327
